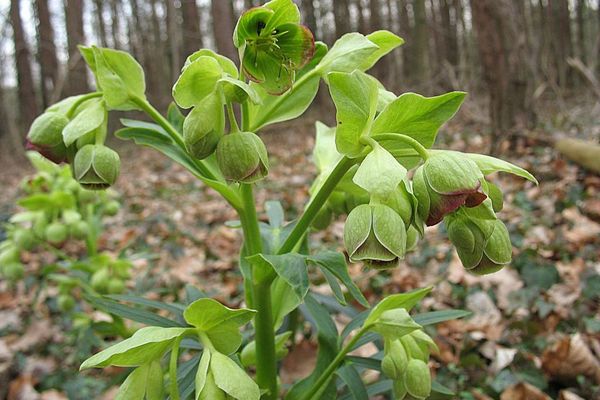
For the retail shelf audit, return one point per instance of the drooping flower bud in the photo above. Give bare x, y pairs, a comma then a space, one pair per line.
376, 235
203, 127
96, 167
79, 230
445, 182
497, 252
24, 239
483, 246
45, 136
418, 379
395, 359
56, 233
242, 157
13, 271
112, 208
100, 280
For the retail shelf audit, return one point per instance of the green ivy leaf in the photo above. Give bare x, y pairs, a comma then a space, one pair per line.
379, 173
355, 98
146, 345
120, 78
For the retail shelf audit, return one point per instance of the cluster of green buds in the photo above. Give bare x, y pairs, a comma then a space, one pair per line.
405, 362
108, 275
209, 84
74, 131
56, 209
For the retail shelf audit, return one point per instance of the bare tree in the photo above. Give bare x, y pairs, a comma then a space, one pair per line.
222, 13
174, 37
76, 82
28, 108
419, 49
46, 53
115, 25
342, 17
308, 12
100, 25
192, 37
502, 57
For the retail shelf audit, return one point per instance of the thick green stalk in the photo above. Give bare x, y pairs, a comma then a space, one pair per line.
173, 387
166, 125
326, 375
266, 361
316, 204
91, 241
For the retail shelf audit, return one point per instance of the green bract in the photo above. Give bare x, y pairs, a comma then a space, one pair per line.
96, 167
203, 127
376, 235
273, 45
242, 157
45, 136
219, 377
445, 182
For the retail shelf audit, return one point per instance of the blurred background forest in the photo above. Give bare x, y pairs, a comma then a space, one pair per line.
532, 70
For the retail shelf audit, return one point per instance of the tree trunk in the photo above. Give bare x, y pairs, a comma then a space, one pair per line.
502, 57
310, 19
46, 51
192, 37
406, 33
115, 25
28, 108
363, 24
100, 25
375, 15
76, 81
561, 44
449, 34
342, 17
174, 37
581, 10
420, 47
136, 33
222, 12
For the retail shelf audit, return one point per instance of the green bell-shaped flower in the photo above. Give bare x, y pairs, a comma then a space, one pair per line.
242, 157
417, 379
376, 235
483, 245
56, 233
79, 230
203, 127
24, 239
96, 167
45, 136
395, 359
446, 181
273, 45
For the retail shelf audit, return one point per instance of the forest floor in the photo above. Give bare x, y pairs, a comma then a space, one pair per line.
534, 332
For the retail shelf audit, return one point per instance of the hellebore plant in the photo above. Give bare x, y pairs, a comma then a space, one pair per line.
58, 211
363, 163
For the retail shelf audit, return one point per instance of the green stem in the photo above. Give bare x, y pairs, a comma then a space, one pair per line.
326, 375
233, 124
80, 101
315, 204
174, 388
91, 241
171, 131
266, 361
418, 147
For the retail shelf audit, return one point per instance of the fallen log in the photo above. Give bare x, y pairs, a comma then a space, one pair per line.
581, 152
